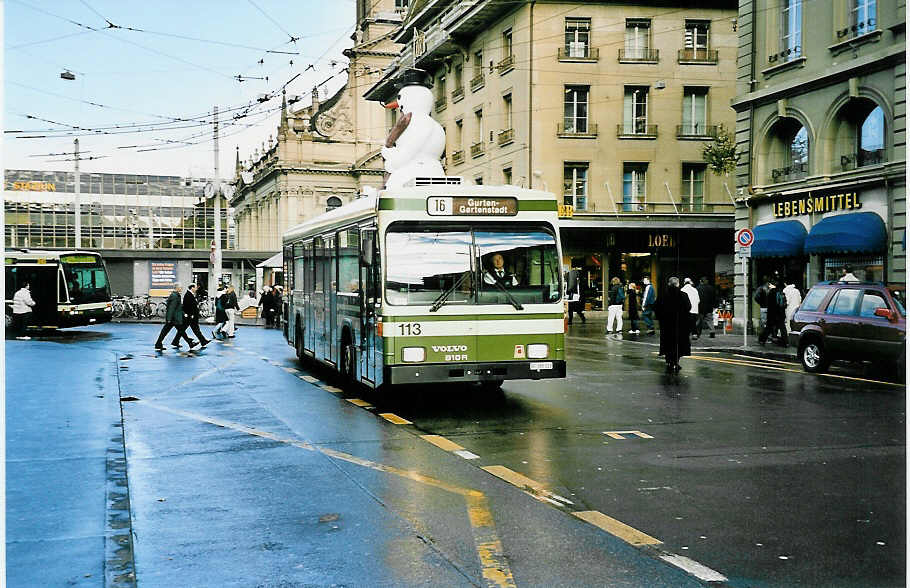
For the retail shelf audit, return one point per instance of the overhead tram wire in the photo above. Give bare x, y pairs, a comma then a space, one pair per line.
276, 23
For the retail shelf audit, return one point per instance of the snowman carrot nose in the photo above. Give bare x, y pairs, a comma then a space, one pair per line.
392, 105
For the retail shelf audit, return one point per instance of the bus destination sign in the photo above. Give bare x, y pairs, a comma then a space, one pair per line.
470, 206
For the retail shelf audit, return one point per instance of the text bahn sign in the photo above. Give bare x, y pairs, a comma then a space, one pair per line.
469, 206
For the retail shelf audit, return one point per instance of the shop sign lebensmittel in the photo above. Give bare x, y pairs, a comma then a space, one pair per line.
810, 203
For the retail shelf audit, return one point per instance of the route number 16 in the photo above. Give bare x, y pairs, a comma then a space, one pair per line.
439, 206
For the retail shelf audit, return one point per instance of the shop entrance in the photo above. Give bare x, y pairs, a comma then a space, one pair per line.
635, 266
592, 275
792, 270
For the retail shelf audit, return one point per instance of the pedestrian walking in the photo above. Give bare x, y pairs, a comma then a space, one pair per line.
648, 299
761, 298
220, 315
22, 311
689, 290
706, 302
847, 275
265, 305
173, 319
191, 312
575, 294
777, 309
632, 296
229, 302
673, 310
794, 299
278, 303
615, 297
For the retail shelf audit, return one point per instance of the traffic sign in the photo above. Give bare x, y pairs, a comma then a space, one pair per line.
745, 238
745, 251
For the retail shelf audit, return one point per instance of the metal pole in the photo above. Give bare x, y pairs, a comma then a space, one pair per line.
77, 202
745, 305
217, 209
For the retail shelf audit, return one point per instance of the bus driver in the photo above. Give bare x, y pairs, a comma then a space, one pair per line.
498, 273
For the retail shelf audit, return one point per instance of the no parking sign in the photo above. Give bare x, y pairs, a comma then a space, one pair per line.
744, 239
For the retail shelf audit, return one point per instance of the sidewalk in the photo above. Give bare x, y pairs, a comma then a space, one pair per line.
595, 329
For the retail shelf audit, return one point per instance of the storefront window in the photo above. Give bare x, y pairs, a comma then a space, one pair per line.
865, 268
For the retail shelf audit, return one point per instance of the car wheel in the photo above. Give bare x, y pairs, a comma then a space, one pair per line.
813, 357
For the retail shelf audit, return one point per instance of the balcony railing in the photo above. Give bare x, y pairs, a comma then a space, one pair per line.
578, 53
696, 131
675, 208
636, 130
697, 55
477, 149
507, 136
457, 94
794, 171
862, 158
477, 82
639, 54
458, 157
441, 104
506, 65
856, 30
579, 129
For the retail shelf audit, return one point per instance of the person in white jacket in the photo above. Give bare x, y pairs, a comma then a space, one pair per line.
794, 299
22, 311
690, 291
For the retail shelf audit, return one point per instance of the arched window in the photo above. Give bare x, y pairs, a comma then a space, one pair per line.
799, 151
788, 151
872, 138
332, 203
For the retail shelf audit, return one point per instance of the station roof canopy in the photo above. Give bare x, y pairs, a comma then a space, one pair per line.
273, 261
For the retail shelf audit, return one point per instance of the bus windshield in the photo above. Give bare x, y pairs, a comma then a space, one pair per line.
86, 281
513, 264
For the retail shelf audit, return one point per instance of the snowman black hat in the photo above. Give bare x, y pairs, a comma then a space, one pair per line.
413, 77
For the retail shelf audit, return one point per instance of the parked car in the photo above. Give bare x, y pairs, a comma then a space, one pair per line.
854, 321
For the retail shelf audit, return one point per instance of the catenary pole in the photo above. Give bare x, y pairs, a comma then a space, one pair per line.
78, 199
217, 209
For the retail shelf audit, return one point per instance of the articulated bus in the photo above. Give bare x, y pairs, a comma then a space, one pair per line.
402, 287
70, 288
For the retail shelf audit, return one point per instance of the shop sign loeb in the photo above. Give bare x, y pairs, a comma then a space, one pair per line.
809, 204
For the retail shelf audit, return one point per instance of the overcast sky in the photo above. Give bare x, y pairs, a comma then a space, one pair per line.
142, 99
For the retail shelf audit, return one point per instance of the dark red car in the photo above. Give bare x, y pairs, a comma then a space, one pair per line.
853, 321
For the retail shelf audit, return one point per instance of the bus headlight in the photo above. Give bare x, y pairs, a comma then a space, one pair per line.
538, 350
413, 354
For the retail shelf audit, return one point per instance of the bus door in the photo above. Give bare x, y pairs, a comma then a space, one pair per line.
330, 342
369, 309
45, 283
309, 287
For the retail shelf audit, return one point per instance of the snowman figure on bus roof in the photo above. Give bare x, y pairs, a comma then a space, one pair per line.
416, 142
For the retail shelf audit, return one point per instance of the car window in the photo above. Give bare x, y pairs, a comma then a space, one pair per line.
871, 301
844, 302
813, 299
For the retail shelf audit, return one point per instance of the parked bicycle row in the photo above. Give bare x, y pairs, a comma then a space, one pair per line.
145, 307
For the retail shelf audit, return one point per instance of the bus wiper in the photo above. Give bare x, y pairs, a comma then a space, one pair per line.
508, 294
437, 304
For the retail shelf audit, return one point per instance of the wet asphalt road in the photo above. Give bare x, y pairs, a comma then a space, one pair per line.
245, 470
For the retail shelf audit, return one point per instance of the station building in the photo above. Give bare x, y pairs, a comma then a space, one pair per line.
821, 129
609, 104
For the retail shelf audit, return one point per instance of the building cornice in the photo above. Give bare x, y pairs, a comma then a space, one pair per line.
884, 59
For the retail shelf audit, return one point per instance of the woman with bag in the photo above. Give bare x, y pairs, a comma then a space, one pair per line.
615, 296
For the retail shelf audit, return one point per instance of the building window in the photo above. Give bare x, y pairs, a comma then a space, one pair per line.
799, 151
872, 139
507, 176
478, 180
401, 5
575, 116
789, 150
459, 133
477, 145
332, 203
507, 44
638, 41
575, 185
634, 186
441, 100
578, 37
693, 186
477, 80
862, 17
791, 29
697, 43
635, 111
695, 111
458, 90
506, 134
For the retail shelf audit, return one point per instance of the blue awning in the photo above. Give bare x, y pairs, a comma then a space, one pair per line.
857, 232
779, 239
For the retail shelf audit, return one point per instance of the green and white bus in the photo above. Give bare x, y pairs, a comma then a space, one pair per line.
70, 288
401, 288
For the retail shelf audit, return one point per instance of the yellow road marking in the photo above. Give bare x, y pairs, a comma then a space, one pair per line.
335, 390
290, 370
619, 434
618, 528
309, 379
442, 443
359, 402
394, 418
780, 369
493, 562
766, 359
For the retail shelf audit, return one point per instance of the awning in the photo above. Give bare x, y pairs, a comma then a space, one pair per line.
779, 239
857, 232
274, 261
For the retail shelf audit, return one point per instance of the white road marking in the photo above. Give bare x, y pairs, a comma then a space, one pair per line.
693, 567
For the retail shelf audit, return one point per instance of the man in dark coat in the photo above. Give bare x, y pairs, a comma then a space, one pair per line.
575, 294
775, 328
673, 308
173, 319
706, 303
191, 311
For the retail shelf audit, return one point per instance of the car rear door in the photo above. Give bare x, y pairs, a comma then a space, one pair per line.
841, 324
881, 338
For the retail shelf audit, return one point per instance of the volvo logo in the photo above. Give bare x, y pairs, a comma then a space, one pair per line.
449, 348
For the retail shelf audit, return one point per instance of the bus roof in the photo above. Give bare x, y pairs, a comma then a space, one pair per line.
30, 254
364, 208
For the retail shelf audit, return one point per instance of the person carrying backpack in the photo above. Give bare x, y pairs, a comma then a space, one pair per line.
615, 296
777, 312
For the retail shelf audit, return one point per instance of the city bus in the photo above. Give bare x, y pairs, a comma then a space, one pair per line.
398, 287
70, 288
